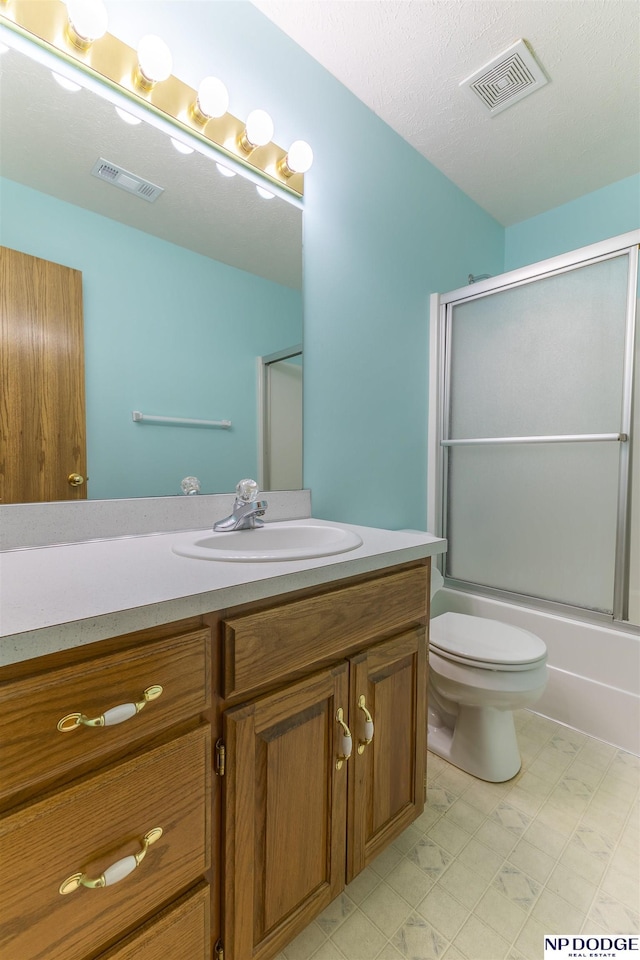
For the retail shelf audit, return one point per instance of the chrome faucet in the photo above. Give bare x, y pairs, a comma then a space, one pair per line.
247, 509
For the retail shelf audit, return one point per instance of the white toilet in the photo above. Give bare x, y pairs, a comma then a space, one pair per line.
479, 672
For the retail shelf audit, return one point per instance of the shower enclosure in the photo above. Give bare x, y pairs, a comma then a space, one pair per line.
536, 486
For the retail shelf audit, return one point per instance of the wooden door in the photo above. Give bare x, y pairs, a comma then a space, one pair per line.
42, 395
284, 813
386, 779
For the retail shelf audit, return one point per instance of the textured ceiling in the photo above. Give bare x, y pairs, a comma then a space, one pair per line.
405, 59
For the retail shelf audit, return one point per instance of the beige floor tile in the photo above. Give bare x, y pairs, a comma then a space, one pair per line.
597, 753
389, 952
430, 857
510, 818
364, 884
453, 954
545, 838
418, 940
530, 940
427, 819
592, 774
481, 859
556, 914
480, 942
335, 914
484, 796
386, 908
502, 915
494, 835
386, 861
306, 943
328, 951
358, 938
613, 916
531, 860
517, 886
463, 884
623, 887
627, 860
410, 882
408, 839
466, 816
449, 835
440, 798
572, 887
443, 912
456, 780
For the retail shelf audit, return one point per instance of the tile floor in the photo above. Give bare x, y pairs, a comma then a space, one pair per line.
490, 868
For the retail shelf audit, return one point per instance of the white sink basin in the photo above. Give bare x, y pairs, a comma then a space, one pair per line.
274, 541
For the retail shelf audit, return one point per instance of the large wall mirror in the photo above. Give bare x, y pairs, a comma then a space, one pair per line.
181, 296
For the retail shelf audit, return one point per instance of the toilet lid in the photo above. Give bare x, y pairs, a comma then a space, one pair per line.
484, 641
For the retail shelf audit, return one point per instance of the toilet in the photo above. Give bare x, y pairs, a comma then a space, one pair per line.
480, 671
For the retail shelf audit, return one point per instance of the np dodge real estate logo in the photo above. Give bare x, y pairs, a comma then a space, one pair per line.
570, 947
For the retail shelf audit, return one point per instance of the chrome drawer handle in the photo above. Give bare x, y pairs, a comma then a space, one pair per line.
368, 725
346, 741
110, 717
116, 872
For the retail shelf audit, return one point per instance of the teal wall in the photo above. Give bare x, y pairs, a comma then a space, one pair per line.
382, 230
161, 336
597, 216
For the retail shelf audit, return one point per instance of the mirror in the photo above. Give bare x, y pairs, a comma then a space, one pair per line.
180, 295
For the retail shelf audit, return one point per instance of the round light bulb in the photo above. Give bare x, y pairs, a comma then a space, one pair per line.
88, 18
259, 128
127, 117
300, 156
154, 58
265, 194
65, 83
213, 98
225, 171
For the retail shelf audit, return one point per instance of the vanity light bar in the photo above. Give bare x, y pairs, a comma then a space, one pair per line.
109, 59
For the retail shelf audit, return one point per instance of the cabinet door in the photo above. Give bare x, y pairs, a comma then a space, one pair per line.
285, 813
386, 778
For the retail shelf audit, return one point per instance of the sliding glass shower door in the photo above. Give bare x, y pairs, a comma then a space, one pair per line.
535, 432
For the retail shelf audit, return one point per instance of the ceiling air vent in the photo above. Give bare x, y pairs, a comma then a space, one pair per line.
507, 78
112, 173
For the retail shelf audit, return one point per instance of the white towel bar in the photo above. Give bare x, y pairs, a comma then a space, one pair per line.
185, 421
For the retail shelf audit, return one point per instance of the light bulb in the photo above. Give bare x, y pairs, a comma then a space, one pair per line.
300, 157
154, 60
225, 171
265, 194
87, 19
258, 130
180, 146
127, 117
65, 83
212, 100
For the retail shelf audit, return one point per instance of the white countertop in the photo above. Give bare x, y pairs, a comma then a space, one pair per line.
56, 597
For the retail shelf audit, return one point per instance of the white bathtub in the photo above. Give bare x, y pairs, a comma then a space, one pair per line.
594, 670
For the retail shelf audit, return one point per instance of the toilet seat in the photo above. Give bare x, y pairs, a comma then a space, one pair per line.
485, 644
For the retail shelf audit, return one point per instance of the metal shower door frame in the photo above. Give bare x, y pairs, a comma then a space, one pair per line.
442, 314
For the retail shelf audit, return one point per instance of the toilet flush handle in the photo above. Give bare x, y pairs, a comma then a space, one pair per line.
368, 725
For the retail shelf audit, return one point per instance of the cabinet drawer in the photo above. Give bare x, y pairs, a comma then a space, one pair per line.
32, 749
262, 647
91, 825
180, 931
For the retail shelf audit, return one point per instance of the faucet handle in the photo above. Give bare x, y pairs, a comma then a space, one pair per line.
247, 490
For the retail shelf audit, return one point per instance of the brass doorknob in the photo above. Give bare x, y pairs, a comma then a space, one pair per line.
75, 480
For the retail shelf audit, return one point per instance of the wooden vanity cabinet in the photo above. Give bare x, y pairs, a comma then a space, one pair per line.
298, 821
79, 801
241, 760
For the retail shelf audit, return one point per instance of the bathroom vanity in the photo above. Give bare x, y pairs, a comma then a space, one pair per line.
271, 741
